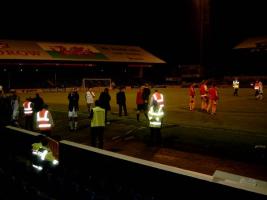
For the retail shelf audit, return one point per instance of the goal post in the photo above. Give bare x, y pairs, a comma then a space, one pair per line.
96, 83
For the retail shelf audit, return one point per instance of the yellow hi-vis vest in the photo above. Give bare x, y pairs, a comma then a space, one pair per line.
235, 84
155, 117
27, 108
98, 117
44, 153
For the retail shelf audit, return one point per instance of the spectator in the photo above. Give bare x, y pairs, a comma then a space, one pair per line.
104, 101
89, 97
121, 101
73, 109
145, 94
38, 103
15, 100
140, 103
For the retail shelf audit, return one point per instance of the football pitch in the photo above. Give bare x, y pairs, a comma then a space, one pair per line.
237, 129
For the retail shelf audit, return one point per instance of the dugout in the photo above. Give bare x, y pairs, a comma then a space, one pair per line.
30, 64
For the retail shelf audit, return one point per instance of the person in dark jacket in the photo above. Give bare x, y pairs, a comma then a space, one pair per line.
121, 101
38, 103
73, 109
145, 95
14, 102
104, 100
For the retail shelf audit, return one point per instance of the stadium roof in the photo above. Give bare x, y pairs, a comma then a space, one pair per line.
253, 43
57, 51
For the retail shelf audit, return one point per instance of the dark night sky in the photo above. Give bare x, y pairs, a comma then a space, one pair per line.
166, 29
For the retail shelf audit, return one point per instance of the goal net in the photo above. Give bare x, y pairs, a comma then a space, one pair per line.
96, 83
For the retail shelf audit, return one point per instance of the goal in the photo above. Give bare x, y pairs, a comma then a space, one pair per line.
96, 83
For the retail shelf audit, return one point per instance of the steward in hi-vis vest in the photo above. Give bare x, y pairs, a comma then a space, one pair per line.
28, 114
97, 117
44, 121
236, 87
155, 116
45, 153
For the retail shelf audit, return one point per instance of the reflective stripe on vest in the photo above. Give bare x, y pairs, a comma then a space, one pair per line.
155, 124
235, 84
43, 120
155, 117
159, 113
27, 108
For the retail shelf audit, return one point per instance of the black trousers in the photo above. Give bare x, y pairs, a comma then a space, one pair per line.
29, 122
235, 91
97, 136
122, 107
155, 136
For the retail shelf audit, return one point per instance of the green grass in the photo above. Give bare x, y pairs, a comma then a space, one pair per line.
239, 125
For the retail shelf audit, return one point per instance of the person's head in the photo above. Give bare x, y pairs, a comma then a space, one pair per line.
106, 90
37, 95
